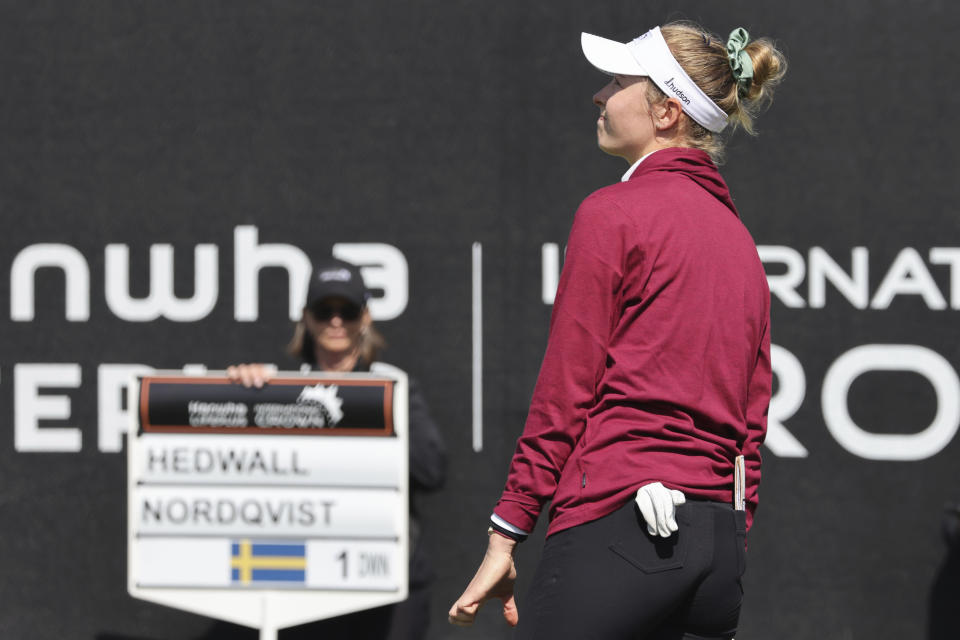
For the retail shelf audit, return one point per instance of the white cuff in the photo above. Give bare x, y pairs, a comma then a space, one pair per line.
500, 522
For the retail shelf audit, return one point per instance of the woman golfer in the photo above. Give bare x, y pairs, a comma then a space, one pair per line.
650, 407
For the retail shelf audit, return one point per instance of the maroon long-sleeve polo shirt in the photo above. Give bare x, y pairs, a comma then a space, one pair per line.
657, 367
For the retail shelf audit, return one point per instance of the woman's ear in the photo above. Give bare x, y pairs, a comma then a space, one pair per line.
666, 114
367, 319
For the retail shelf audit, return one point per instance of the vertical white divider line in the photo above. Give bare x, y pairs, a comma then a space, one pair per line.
477, 347
549, 271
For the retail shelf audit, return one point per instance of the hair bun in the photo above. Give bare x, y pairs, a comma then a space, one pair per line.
721, 72
769, 67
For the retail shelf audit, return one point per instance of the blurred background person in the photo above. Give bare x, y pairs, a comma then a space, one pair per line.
336, 334
943, 618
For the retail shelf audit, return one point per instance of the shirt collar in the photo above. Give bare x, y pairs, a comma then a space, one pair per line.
633, 167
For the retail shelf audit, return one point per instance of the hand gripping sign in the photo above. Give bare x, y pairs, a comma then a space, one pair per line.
269, 507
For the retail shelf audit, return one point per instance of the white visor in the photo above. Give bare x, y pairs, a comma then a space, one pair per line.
649, 56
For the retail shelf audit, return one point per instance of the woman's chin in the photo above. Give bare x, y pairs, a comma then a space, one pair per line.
608, 148
337, 346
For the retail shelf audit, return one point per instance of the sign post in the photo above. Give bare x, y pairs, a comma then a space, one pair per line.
269, 507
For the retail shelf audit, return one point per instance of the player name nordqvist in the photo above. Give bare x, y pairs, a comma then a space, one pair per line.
201, 460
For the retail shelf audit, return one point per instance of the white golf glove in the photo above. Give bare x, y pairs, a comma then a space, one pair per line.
657, 504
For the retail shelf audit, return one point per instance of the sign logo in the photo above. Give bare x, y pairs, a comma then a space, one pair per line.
325, 396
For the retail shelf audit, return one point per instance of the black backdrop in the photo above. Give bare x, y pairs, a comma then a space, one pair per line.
431, 126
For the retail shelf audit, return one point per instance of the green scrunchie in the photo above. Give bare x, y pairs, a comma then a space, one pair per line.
740, 62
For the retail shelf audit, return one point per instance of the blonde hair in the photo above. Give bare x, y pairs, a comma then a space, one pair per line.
703, 56
301, 344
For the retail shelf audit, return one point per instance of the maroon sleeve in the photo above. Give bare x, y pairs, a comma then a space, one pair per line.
758, 401
584, 313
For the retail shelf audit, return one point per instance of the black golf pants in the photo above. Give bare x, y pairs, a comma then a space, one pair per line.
610, 580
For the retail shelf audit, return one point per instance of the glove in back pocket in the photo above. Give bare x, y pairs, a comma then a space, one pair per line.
651, 554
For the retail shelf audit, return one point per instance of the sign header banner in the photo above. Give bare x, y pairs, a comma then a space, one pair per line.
295, 406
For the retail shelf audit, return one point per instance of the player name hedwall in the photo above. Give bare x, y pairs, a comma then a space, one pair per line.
186, 460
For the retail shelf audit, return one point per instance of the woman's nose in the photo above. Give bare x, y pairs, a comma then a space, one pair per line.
600, 97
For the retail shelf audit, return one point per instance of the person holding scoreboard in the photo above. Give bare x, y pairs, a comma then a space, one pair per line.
336, 334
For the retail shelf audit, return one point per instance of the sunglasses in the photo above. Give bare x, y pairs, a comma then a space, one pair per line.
325, 312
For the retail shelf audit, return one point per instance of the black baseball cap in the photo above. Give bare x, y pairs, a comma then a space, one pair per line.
334, 277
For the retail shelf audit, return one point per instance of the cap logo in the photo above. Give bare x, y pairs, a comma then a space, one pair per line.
338, 275
678, 91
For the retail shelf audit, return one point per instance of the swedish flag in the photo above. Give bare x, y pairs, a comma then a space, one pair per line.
273, 562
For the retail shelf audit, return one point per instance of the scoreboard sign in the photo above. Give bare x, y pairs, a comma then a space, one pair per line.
269, 507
